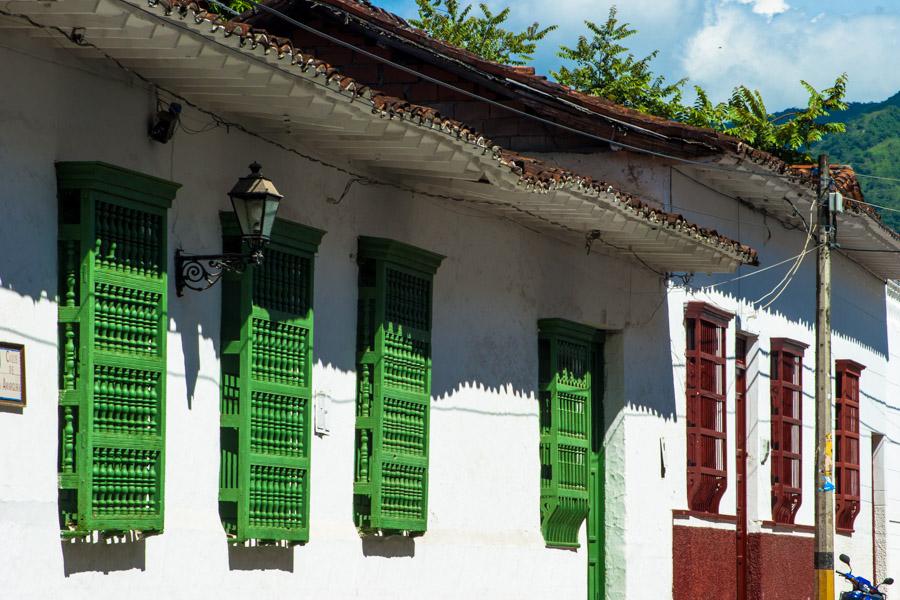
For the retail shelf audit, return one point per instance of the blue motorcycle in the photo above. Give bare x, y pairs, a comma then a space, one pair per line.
862, 587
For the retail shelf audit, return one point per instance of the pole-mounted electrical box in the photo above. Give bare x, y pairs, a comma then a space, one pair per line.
836, 202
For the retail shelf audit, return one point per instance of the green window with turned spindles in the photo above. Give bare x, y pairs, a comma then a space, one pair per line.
266, 413
393, 387
112, 335
567, 353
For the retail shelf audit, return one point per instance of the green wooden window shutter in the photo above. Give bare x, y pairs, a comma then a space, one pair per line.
565, 363
267, 351
393, 387
112, 329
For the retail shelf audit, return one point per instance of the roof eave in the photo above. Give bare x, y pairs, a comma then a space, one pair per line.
326, 113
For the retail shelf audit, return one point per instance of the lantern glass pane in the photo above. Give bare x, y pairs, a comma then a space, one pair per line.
270, 209
241, 212
255, 212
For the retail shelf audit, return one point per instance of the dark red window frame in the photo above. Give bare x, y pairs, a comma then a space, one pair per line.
742, 344
846, 450
707, 434
787, 428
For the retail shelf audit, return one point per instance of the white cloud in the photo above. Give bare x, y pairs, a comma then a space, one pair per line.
774, 55
654, 19
766, 44
768, 8
661, 24
577, 11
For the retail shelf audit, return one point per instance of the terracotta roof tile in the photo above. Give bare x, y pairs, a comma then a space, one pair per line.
845, 180
370, 14
707, 140
533, 174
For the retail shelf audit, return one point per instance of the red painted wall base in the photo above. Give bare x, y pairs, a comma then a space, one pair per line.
704, 565
780, 567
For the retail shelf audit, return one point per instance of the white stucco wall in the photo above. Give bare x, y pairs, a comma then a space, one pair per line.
887, 416
483, 539
860, 333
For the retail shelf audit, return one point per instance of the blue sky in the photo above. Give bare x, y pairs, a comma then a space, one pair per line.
765, 44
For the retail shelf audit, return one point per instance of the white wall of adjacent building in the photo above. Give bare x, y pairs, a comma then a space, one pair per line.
865, 321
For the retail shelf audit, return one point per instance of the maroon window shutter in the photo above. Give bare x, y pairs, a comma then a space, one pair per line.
846, 456
707, 475
787, 428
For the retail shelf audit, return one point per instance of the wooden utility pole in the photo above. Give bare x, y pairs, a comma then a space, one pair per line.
824, 490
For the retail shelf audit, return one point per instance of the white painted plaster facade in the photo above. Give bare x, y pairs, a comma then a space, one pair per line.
483, 539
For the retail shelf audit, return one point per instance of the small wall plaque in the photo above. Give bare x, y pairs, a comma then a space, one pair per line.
323, 406
12, 374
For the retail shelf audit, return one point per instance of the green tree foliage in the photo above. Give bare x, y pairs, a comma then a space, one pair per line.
704, 113
483, 34
238, 6
790, 135
603, 66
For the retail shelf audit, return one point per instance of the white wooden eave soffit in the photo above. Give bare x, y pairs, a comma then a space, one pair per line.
303, 110
778, 197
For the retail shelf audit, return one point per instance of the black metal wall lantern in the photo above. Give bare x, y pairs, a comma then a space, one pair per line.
254, 200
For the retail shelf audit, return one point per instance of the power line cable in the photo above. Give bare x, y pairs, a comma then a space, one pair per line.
782, 285
278, 14
758, 271
78, 39
839, 247
864, 203
344, 44
406, 69
789, 276
744, 202
290, 20
784, 288
881, 177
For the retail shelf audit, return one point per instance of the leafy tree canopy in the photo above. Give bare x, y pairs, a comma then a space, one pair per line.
482, 34
790, 135
603, 66
600, 64
238, 6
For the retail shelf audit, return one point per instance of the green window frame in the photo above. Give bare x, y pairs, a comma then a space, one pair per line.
393, 387
266, 388
566, 359
112, 339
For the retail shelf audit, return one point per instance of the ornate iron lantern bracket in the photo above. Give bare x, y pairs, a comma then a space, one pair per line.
200, 272
255, 201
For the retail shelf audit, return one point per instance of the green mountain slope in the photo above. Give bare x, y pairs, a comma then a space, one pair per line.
872, 146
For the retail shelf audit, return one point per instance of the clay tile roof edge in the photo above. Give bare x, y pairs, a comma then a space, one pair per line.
367, 12
533, 174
